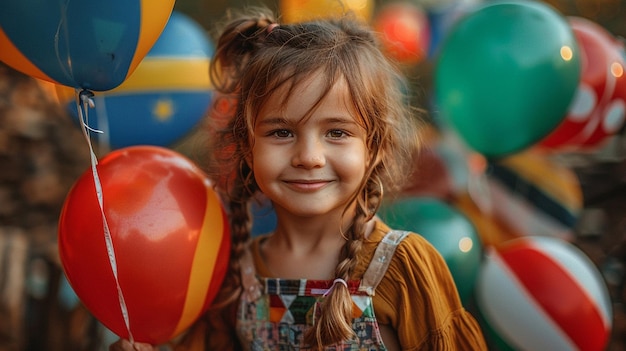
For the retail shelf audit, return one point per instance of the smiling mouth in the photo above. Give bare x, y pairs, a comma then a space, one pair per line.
306, 185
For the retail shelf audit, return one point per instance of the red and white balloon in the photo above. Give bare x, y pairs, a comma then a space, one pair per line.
543, 293
599, 107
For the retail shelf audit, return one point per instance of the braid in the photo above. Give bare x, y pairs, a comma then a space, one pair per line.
335, 321
240, 228
218, 316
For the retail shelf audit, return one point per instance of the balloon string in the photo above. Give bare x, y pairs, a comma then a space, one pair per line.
83, 103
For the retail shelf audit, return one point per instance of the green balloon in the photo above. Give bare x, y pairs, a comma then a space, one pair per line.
506, 75
447, 229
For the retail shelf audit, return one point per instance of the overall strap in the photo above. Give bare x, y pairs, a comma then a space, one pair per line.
249, 281
380, 262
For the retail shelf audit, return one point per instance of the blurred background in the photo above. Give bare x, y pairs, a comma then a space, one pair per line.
521, 185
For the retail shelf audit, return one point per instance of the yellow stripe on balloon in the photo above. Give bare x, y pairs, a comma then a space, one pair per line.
556, 181
14, 58
156, 74
154, 16
205, 257
167, 74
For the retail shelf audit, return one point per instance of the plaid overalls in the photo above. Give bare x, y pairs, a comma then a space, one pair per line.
274, 313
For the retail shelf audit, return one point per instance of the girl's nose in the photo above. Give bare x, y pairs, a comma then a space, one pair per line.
308, 153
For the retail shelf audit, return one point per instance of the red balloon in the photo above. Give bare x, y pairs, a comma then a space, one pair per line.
598, 108
405, 32
170, 236
612, 111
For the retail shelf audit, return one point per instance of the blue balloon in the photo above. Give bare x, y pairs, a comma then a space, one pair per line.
92, 45
167, 95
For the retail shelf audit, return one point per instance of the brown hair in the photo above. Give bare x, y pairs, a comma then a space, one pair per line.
254, 57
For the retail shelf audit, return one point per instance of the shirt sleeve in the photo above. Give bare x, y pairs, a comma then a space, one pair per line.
418, 298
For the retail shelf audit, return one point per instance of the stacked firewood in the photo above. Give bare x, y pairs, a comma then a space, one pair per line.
42, 153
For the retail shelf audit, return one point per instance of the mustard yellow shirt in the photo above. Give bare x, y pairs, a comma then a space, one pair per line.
417, 297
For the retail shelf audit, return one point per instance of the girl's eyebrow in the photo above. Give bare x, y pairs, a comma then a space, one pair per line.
273, 121
340, 120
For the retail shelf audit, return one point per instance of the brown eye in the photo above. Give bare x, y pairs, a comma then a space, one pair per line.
281, 133
336, 133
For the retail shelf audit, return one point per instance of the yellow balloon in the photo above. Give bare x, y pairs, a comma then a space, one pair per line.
293, 11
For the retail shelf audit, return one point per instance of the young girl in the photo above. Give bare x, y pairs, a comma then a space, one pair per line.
321, 129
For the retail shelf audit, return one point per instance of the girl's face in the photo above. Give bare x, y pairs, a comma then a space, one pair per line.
311, 166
